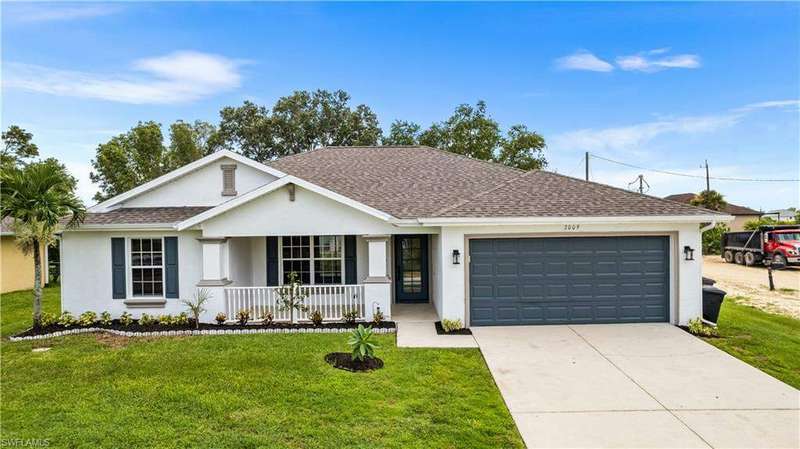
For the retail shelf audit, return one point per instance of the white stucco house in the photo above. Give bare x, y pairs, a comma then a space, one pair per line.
366, 228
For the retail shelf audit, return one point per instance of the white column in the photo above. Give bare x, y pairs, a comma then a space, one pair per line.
215, 275
690, 275
378, 285
452, 275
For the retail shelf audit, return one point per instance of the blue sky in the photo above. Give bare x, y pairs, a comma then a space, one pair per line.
656, 85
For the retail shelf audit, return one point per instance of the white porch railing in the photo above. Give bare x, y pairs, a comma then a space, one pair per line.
331, 300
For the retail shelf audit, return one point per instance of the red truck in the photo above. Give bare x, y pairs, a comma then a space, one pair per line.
778, 243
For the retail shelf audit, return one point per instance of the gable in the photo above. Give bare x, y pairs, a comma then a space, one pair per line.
201, 187
274, 213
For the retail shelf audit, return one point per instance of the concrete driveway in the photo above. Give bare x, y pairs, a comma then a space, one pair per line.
635, 385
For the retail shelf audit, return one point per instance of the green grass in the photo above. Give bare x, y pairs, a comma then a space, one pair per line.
271, 391
767, 341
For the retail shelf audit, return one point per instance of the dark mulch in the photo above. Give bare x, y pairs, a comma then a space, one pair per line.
344, 360
440, 330
136, 327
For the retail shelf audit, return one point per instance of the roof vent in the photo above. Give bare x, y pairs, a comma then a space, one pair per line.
228, 179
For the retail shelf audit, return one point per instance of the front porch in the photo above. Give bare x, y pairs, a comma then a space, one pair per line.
339, 274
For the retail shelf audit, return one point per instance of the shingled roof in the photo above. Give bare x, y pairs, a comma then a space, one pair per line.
143, 215
732, 209
417, 181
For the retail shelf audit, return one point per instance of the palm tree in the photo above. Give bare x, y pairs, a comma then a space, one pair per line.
37, 197
710, 199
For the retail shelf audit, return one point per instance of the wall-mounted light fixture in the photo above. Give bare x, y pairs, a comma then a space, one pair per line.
688, 253
456, 256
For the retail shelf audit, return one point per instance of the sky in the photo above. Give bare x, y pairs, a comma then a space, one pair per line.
663, 86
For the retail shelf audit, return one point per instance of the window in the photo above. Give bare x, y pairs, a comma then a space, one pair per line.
147, 267
316, 260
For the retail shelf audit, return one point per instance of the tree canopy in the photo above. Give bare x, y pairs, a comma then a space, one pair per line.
709, 199
139, 155
301, 122
18, 147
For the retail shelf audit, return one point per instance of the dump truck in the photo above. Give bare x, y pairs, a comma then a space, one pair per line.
776, 243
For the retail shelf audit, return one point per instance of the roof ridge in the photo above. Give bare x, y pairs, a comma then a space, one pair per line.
662, 200
480, 194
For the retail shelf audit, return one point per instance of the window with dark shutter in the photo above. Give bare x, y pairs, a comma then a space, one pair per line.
228, 179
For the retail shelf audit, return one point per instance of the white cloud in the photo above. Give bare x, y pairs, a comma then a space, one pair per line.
178, 77
52, 12
85, 188
642, 62
583, 60
632, 137
769, 105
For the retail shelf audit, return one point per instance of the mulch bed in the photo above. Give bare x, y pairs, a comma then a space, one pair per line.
344, 360
136, 327
686, 328
440, 330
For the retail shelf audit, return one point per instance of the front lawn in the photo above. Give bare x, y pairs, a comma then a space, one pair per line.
240, 391
767, 341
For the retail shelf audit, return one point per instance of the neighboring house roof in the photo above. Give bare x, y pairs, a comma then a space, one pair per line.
732, 209
7, 226
143, 215
417, 181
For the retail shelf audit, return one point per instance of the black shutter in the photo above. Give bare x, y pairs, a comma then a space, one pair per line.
350, 259
118, 268
171, 267
272, 261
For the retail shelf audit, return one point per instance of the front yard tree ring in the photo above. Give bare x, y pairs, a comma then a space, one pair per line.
345, 361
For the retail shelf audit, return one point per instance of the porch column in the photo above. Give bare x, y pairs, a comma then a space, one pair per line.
378, 285
215, 275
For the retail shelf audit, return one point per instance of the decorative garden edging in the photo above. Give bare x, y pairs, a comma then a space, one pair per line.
187, 332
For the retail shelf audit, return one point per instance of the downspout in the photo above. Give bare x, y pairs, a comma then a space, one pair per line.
708, 226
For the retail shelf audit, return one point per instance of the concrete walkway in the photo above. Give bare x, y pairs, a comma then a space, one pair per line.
636, 385
415, 329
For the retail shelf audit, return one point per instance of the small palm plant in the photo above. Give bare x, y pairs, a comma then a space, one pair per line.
359, 341
36, 198
196, 307
291, 297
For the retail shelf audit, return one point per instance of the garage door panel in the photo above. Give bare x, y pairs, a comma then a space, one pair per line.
569, 280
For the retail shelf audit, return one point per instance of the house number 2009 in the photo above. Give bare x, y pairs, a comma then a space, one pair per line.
571, 227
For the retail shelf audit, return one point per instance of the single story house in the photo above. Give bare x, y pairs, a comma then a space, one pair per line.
366, 228
741, 214
16, 267
781, 214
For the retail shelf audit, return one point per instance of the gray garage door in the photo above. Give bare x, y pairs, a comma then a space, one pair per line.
568, 280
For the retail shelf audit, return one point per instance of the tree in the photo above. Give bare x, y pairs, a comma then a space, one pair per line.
139, 155
709, 199
402, 132
712, 238
17, 147
296, 123
471, 132
37, 197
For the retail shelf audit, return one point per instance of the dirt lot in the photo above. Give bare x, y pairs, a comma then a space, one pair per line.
753, 284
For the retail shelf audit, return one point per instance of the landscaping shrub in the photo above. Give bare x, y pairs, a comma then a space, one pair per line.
451, 325
48, 319
377, 317
360, 343
105, 318
147, 320
243, 316
125, 319
87, 318
698, 327
66, 319
267, 317
181, 320
316, 317
196, 307
165, 320
221, 318
350, 316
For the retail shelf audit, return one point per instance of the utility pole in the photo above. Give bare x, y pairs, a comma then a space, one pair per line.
587, 165
708, 184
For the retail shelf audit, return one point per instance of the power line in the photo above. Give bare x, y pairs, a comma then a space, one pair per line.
687, 175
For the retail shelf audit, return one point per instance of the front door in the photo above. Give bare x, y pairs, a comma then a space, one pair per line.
411, 268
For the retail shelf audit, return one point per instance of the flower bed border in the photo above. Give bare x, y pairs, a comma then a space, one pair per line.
191, 332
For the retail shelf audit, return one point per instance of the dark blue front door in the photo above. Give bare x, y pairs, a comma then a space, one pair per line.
411, 268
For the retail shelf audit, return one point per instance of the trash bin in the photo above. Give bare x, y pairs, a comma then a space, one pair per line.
712, 302
708, 281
